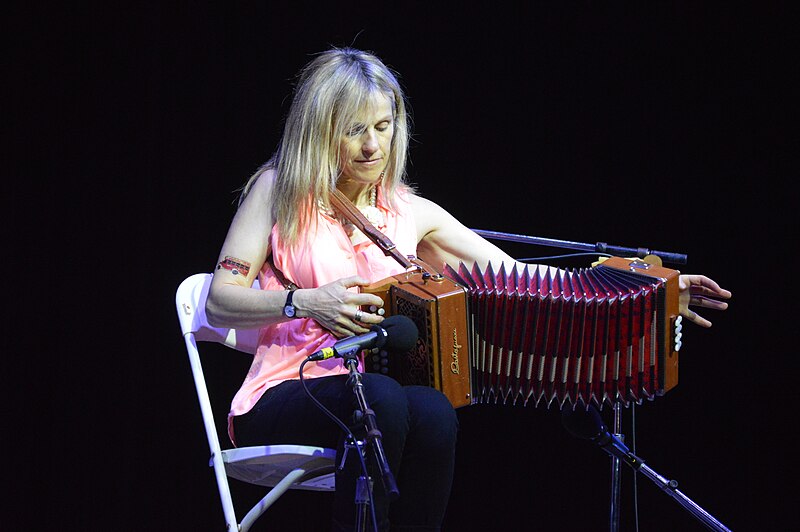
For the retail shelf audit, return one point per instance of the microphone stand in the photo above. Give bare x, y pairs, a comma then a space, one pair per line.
670, 487
599, 247
616, 474
374, 440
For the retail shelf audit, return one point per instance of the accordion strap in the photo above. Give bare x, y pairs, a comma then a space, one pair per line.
354, 216
287, 284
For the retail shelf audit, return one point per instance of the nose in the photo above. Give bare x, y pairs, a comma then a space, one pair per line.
369, 143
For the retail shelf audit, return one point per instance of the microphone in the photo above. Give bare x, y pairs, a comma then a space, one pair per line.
586, 424
395, 333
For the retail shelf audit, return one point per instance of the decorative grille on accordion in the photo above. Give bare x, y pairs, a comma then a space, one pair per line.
599, 335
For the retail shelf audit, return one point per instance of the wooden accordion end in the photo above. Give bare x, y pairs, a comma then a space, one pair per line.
601, 335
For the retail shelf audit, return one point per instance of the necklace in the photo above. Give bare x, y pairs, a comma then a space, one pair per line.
371, 212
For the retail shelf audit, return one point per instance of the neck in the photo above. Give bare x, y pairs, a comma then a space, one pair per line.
360, 195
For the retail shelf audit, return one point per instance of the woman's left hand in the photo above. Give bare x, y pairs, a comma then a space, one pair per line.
700, 291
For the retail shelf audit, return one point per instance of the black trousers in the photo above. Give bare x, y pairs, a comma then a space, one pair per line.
418, 427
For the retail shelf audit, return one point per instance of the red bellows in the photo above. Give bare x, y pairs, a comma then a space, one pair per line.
599, 335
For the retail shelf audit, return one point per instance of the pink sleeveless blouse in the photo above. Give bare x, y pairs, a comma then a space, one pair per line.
323, 254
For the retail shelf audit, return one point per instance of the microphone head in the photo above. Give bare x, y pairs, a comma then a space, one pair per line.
582, 422
402, 333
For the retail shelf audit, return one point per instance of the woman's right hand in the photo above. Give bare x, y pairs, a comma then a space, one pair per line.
336, 308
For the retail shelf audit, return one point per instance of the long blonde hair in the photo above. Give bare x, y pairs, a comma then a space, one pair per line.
330, 92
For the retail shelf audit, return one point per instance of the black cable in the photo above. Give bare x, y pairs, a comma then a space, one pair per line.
350, 437
327, 412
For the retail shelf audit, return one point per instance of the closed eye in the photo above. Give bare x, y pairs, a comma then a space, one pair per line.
356, 130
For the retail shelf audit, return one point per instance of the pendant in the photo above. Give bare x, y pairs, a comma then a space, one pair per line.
374, 215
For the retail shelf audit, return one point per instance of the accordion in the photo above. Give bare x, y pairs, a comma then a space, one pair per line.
601, 335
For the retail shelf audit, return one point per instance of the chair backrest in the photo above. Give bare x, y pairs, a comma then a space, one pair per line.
190, 302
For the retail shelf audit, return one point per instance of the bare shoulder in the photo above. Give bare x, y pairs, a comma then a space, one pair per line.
254, 218
443, 239
263, 184
428, 215
418, 202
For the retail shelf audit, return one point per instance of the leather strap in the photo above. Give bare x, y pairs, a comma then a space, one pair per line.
342, 204
279, 274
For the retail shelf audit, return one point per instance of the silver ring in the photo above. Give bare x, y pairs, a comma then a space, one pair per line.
358, 315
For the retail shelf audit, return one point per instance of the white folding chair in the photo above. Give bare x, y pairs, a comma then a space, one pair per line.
280, 467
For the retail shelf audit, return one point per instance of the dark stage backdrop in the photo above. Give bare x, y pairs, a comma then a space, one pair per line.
662, 125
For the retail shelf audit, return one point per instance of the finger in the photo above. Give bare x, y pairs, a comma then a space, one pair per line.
347, 333
339, 332
347, 327
363, 300
367, 301
702, 301
366, 318
704, 285
696, 318
710, 292
359, 298
355, 280
358, 329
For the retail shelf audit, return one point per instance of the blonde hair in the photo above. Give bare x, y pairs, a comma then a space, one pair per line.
330, 92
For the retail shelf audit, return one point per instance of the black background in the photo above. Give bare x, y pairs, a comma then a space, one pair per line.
660, 124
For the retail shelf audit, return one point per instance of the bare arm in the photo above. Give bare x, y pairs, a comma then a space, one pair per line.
443, 239
233, 303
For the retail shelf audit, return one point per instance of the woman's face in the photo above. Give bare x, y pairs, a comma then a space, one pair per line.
366, 145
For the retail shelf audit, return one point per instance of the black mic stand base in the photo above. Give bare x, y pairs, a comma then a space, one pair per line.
363, 490
363, 495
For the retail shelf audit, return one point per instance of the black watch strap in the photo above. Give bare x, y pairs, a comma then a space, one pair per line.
288, 308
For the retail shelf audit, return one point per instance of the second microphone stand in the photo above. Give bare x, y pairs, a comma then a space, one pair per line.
616, 474
668, 486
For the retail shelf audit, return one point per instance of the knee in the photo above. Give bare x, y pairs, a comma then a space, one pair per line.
432, 414
386, 398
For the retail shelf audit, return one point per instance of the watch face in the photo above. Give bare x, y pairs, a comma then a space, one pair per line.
288, 310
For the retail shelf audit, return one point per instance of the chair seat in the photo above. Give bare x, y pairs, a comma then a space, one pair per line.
267, 465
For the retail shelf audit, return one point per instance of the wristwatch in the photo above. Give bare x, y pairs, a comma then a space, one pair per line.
288, 308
